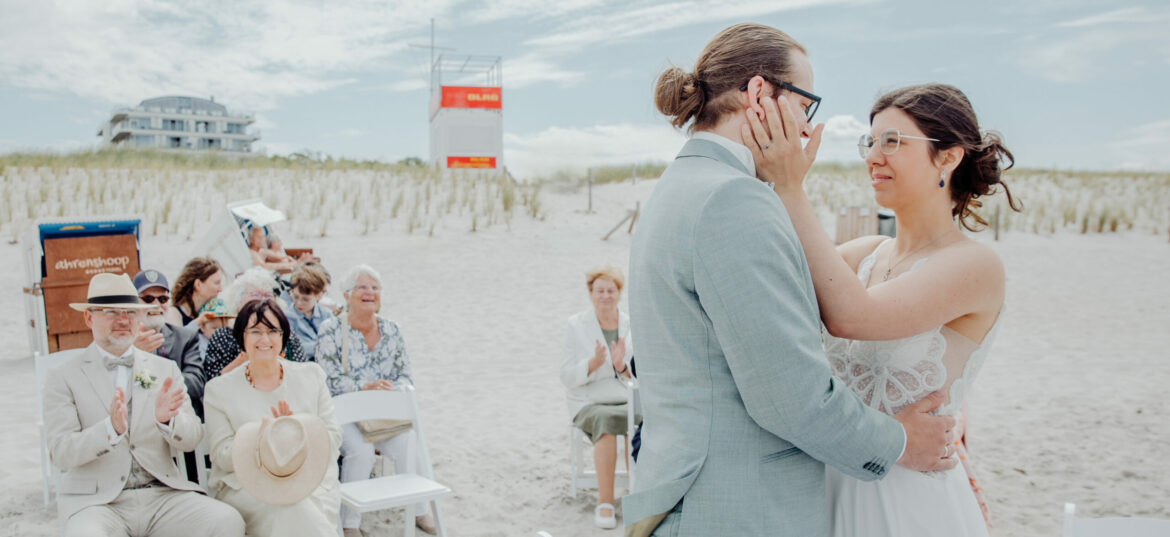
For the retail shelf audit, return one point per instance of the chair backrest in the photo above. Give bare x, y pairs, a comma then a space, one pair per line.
1111, 527
396, 404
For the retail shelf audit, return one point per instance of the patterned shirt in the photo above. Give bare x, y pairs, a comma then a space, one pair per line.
387, 361
222, 349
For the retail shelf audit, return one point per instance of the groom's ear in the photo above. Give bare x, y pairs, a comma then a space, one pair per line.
751, 95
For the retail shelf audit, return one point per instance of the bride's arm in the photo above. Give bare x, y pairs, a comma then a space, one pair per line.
963, 281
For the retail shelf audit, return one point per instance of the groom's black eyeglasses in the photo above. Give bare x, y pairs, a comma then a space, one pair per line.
810, 109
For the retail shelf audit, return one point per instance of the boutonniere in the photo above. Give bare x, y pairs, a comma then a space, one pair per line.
144, 379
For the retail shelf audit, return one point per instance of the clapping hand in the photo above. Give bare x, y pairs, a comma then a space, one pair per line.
380, 384
167, 403
617, 353
118, 412
598, 355
149, 340
281, 409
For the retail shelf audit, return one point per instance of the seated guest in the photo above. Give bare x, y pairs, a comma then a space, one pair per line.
213, 316
264, 257
199, 281
594, 370
361, 350
223, 352
308, 284
272, 436
179, 343
112, 416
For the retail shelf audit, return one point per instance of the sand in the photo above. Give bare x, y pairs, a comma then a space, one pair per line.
1070, 406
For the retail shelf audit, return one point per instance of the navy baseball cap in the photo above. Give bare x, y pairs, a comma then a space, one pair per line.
150, 278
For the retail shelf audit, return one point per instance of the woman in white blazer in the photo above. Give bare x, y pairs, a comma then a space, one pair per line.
594, 370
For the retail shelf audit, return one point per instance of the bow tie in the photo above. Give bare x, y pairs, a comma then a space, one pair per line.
111, 363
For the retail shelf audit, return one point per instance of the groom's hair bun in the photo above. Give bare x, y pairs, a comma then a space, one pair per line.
732, 58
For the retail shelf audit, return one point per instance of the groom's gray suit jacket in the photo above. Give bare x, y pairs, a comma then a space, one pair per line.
741, 411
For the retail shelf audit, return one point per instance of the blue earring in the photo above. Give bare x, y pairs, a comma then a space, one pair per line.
942, 179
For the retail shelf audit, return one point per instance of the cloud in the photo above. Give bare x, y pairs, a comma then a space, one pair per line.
349, 132
1130, 15
839, 140
577, 148
634, 19
247, 55
1142, 147
1081, 49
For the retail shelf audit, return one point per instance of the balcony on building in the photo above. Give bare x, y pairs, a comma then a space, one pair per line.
178, 123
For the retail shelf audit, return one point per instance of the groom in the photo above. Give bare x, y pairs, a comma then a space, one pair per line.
741, 412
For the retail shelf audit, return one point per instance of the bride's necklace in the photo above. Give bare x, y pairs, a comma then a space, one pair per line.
890, 268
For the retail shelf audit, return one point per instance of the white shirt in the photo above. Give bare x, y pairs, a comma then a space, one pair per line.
120, 377
737, 149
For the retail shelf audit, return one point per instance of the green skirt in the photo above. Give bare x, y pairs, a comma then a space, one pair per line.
600, 418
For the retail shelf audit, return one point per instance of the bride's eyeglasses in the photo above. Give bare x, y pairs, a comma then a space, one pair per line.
888, 142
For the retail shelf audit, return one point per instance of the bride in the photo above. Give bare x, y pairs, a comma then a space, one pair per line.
907, 316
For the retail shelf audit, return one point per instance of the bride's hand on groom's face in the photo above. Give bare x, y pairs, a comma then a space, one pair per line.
780, 156
929, 438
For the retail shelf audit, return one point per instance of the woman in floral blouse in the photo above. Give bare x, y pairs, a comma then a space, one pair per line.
361, 350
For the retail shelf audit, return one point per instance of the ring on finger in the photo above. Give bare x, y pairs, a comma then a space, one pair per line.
767, 146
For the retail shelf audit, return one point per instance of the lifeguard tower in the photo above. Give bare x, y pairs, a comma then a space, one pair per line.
466, 112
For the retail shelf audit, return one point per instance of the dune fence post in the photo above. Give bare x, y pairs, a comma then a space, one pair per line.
996, 220
589, 180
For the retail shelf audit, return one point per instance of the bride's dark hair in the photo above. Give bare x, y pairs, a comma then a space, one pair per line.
944, 113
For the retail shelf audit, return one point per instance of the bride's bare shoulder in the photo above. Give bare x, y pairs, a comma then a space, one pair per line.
857, 249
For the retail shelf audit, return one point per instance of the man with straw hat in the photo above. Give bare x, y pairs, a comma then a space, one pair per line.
113, 415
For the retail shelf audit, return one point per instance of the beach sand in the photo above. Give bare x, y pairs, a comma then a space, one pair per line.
1070, 406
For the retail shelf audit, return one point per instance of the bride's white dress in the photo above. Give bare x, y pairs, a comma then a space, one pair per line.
889, 375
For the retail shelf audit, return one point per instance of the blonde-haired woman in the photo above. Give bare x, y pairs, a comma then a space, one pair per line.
594, 370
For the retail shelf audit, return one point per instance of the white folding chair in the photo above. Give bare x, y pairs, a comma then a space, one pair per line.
584, 477
402, 489
633, 409
200, 462
1111, 527
44, 364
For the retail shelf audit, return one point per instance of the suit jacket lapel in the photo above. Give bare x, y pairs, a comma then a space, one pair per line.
707, 149
98, 376
140, 396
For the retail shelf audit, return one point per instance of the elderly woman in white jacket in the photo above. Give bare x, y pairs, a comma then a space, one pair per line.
595, 369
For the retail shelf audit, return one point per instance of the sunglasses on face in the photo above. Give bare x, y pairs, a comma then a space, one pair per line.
149, 299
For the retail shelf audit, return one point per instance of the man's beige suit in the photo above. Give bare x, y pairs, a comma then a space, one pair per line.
77, 402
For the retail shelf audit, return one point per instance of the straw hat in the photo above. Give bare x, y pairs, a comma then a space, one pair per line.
110, 291
280, 461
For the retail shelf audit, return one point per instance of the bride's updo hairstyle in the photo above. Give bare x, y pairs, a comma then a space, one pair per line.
943, 112
727, 63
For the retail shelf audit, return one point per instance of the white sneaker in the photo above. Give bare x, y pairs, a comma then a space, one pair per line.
605, 522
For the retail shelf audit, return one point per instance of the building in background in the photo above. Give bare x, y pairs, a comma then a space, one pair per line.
179, 124
467, 125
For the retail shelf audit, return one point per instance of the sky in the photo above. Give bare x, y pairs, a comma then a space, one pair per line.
1071, 84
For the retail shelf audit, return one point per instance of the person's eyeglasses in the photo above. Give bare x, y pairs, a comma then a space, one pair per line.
365, 288
149, 299
259, 295
111, 313
255, 333
888, 142
810, 108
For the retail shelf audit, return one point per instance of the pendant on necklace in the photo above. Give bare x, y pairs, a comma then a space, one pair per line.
887, 276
